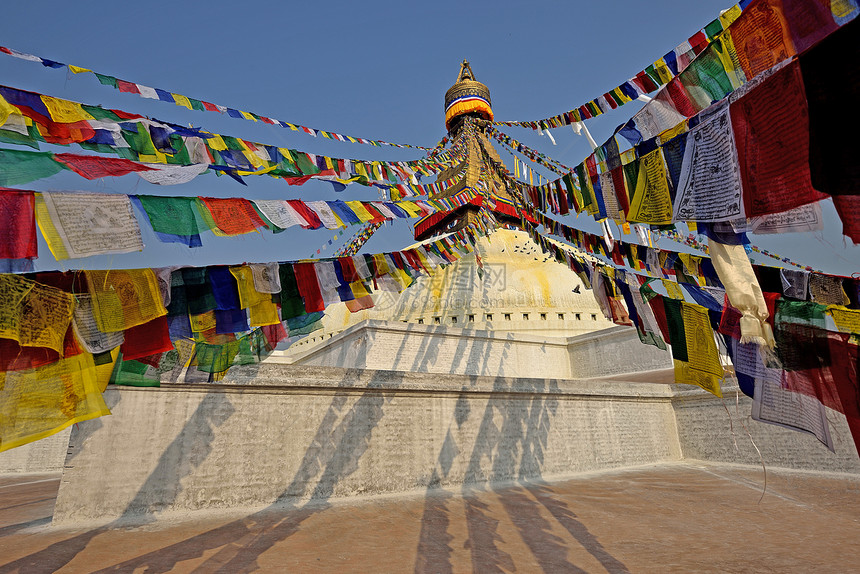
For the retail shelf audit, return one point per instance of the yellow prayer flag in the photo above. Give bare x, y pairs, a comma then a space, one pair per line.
673, 290
37, 403
686, 375
663, 71
381, 264
263, 313
691, 264
729, 16
124, 298
64, 111
5, 110
668, 134
703, 367
254, 159
49, 230
248, 295
363, 215
79, 70
248, 116
846, 320
257, 172
33, 314
359, 289
158, 157
202, 322
652, 202
410, 208
842, 8
724, 47
182, 101
216, 142
621, 95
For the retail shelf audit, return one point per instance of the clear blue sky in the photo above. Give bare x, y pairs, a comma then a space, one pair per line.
372, 69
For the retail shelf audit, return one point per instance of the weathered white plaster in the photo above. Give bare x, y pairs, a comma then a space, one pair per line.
275, 434
434, 349
44, 455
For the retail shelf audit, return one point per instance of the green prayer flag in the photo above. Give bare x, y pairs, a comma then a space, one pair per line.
174, 215
18, 166
101, 113
713, 29
631, 175
304, 163
292, 303
106, 80
215, 358
134, 374
13, 137
140, 141
675, 319
705, 78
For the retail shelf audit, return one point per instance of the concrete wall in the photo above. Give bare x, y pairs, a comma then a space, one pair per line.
452, 350
301, 433
46, 455
276, 434
713, 429
613, 351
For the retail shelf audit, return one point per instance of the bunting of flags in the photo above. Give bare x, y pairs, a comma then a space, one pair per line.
530, 153
354, 245
195, 104
644, 82
691, 240
662, 179
30, 118
78, 224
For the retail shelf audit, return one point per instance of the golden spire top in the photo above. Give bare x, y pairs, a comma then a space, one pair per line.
466, 72
467, 96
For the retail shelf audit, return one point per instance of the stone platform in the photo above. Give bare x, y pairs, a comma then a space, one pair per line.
676, 517
279, 436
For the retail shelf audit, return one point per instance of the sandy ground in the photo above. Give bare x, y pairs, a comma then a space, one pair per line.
666, 518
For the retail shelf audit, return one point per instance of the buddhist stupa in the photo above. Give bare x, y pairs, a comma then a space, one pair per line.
518, 289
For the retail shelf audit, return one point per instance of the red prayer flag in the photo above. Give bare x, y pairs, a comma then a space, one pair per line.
94, 167
309, 288
846, 356
698, 41
63, 134
127, 87
680, 98
17, 224
274, 334
312, 219
808, 21
126, 115
659, 311
150, 338
771, 126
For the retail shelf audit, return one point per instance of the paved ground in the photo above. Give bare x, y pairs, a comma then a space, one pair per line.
671, 518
